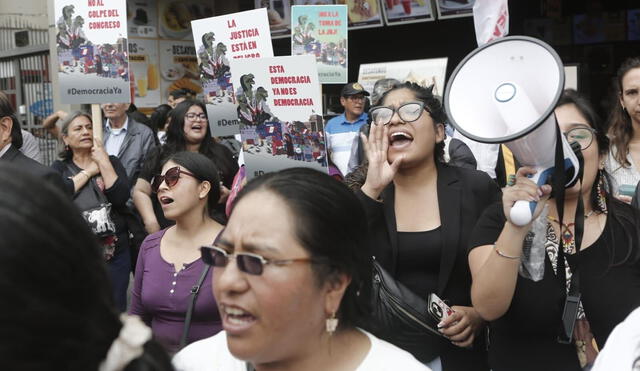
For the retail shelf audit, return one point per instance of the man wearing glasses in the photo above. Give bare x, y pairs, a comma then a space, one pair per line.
342, 131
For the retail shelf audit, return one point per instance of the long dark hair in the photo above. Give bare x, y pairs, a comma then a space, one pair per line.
431, 102
330, 225
620, 213
54, 283
176, 142
204, 170
620, 127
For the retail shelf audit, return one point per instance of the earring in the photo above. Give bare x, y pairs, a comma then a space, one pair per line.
600, 191
332, 324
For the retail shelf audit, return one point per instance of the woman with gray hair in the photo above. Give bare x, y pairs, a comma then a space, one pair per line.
98, 183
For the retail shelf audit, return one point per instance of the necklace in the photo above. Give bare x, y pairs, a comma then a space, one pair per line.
565, 230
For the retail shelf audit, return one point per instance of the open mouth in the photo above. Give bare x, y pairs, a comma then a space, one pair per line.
400, 139
236, 319
196, 127
164, 200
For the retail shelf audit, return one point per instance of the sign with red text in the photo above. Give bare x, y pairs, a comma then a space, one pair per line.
279, 109
321, 31
91, 41
220, 40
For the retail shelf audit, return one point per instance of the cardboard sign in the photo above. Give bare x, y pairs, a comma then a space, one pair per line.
93, 63
321, 31
218, 41
279, 112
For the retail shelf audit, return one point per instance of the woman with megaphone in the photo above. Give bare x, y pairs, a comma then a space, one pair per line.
421, 212
592, 284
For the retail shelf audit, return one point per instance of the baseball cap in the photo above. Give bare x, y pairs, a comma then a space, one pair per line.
353, 88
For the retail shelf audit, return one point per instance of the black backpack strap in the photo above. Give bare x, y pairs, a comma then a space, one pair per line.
194, 294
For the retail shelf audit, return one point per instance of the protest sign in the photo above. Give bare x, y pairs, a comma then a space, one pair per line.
279, 112
92, 51
407, 11
321, 31
218, 41
178, 67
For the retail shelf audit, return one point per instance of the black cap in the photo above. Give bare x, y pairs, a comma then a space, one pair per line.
353, 88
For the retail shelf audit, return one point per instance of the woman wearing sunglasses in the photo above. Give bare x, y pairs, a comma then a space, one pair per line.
169, 264
421, 212
188, 130
525, 315
291, 274
100, 190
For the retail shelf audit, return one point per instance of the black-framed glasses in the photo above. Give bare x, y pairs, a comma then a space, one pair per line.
247, 262
193, 116
170, 177
407, 112
582, 135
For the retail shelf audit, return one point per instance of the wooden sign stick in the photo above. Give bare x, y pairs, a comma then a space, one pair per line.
96, 115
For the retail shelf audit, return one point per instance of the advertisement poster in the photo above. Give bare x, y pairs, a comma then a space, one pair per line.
454, 8
279, 112
424, 72
321, 31
91, 43
218, 41
142, 18
363, 13
407, 11
175, 16
143, 64
279, 14
178, 67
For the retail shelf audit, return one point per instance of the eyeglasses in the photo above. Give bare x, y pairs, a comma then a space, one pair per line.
249, 263
581, 135
170, 177
408, 112
193, 116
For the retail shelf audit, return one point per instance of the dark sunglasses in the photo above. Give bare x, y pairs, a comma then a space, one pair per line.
170, 177
249, 263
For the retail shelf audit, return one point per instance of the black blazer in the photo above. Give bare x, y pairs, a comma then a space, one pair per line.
463, 194
35, 168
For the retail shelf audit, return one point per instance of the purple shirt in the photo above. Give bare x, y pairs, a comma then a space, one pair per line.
161, 296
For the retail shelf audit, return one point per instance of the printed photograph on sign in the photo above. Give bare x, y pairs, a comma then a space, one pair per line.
279, 15
321, 31
176, 16
424, 72
280, 114
145, 74
91, 45
407, 11
178, 68
142, 18
219, 41
363, 13
454, 8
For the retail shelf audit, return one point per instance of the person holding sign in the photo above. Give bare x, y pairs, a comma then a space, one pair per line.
421, 212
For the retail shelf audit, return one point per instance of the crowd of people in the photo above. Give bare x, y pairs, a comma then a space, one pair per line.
404, 257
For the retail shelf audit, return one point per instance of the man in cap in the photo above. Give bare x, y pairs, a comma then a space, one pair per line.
342, 131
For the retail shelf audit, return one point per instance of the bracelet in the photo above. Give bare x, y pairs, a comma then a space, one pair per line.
85, 173
500, 253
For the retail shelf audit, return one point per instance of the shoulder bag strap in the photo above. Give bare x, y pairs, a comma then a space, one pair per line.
194, 294
101, 197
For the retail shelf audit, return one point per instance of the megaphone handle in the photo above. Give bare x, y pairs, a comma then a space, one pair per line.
522, 211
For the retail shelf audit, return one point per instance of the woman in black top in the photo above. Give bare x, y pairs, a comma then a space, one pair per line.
88, 172
525, 315
420, 213
188, 131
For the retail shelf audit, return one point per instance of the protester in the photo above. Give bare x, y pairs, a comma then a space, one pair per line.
188, 131
160, 121
169, 263
525, 314
298, 282
624, 131
342, 131
58, 312
127, 139
98, 183
180, 95
420, 213
11, 142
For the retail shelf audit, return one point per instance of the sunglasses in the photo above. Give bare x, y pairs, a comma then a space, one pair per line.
248, 263
170, 177
408, 112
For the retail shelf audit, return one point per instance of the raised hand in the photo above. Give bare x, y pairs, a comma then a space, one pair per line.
380, 173
525, 189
